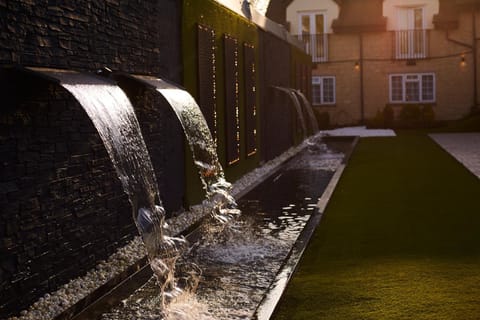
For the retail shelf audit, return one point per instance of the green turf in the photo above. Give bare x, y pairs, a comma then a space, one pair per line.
400, 239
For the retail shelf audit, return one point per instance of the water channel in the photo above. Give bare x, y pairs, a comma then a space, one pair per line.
239, 265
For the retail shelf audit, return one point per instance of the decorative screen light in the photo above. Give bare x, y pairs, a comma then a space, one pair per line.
232, 88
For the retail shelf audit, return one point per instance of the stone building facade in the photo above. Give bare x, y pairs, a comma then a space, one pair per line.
390, 53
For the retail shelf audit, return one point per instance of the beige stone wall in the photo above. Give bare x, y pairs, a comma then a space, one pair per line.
343, 52
454, 82
430, 8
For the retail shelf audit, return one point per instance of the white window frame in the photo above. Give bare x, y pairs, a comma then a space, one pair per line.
409, 77
319, 80
407, 38
313, 28
315, 36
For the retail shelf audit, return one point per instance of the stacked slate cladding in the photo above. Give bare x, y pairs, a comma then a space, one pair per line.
63, 207
132, 36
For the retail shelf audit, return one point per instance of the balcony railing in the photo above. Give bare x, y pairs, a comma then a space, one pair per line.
316, 45
411, 44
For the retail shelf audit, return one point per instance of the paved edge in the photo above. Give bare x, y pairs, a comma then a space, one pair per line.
433, 136
267, 306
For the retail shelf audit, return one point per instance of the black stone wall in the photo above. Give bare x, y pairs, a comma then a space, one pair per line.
277, 119
140, 36
62, 206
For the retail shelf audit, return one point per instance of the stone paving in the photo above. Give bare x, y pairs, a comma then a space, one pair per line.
465, 147
360, 131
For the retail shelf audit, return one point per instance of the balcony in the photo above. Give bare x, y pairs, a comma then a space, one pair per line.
410, 44
316, 45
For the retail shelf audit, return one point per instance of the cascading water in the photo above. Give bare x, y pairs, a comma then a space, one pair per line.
309, 109
113, 116
202, 146
297, 106
219, 202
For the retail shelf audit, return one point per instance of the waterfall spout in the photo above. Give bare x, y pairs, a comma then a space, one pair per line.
297, 107
201, 144
308, 108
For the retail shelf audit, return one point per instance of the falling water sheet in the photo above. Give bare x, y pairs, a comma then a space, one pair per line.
201, 144
309, 109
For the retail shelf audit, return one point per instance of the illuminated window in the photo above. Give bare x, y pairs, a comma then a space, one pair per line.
323, 90
412, 87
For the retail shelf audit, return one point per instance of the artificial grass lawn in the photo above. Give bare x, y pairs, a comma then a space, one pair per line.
400, 239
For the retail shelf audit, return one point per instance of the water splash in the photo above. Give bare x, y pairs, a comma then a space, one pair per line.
113, 116
188, 307
308, 108
297, 107
200, 141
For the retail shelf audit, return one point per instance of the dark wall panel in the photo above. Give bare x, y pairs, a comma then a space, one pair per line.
250, 86
277, 121
232, 125
207, 77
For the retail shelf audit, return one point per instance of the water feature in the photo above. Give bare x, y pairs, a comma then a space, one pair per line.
227, 292
222, 205
309, 109
114, 119
239, 269
296, 104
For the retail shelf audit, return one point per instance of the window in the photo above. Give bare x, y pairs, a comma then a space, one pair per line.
312, 33
412, 87
410, 36
323, 90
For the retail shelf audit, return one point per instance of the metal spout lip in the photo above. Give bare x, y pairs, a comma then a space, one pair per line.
58, 75
149, 81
